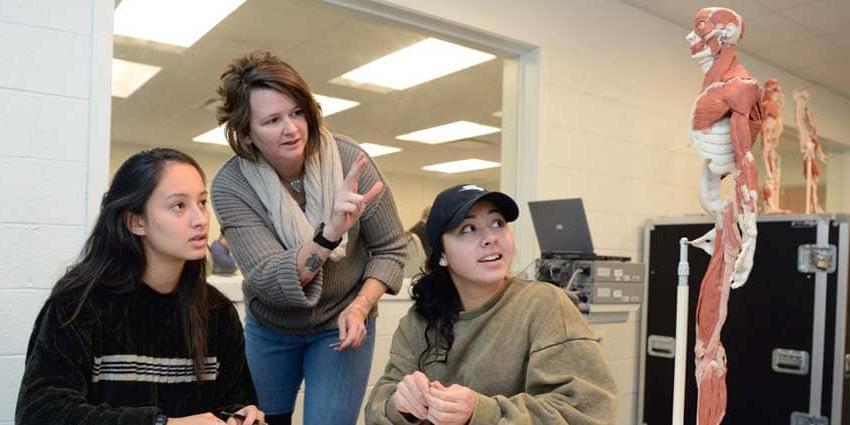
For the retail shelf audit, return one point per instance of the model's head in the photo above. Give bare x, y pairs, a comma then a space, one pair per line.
468, 233
714, 28
773, 91
267, 109
801, 95
771, 86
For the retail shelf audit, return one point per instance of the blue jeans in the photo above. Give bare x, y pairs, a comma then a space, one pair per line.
334, 382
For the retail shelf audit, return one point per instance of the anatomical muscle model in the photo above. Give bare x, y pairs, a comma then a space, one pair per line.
809, 147
726, 120
772, 102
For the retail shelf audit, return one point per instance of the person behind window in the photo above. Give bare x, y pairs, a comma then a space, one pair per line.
480, 347
418, 229
415, 255
317, 236
132, 334
222, 261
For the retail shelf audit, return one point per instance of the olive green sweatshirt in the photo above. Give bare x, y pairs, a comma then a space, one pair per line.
527, 353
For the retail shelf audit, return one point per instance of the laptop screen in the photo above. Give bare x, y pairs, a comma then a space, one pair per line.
561, 226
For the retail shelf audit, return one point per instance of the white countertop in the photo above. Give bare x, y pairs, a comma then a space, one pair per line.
231, 286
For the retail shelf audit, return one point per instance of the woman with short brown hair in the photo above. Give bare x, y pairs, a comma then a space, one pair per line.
315, 231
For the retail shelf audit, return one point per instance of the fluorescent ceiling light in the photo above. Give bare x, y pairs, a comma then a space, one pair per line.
214, 136
461, 166
180, 23
424, 61
332, 105
378, 150
128, 76
448, 132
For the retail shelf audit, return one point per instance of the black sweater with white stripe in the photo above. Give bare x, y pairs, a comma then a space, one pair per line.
123, 360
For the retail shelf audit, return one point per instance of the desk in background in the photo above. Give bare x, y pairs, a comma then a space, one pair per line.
231, 287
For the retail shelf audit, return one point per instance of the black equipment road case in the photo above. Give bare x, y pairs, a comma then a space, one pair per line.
786, 333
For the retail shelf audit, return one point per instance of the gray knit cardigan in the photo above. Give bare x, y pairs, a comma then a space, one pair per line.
273, 296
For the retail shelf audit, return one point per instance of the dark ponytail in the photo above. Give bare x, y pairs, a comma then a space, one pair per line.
436, 299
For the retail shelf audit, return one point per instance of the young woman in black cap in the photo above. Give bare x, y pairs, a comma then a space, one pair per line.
479, 347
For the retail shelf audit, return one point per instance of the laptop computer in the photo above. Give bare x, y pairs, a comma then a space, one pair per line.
562, 229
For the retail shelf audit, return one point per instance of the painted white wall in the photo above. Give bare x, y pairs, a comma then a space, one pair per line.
54, 87
838, 189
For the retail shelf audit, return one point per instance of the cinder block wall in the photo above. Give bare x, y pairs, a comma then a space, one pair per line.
45, 115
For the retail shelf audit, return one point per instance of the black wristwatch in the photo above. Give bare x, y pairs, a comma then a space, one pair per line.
160, 419
320, 240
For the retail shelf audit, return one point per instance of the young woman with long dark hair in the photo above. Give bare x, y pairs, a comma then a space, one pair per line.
132, 333
480, 347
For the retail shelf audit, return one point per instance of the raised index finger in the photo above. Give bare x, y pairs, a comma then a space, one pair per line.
353, 176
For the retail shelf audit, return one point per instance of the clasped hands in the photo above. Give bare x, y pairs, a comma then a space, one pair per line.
432, 401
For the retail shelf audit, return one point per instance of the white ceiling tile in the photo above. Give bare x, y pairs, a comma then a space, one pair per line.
841, 40
800, 54
748, 9
831, 74
270, 23
770, 31
823, 17
777, 5
682, 11
678, 12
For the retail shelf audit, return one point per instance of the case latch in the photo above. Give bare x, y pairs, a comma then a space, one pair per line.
847, 366
794, 362
799, 418
816, 258
661, 346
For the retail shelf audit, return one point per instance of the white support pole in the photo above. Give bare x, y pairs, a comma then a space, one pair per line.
681, 335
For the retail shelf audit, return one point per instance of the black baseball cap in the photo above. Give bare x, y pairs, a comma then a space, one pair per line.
453, 204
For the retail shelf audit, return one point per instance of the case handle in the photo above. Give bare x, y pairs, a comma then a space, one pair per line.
661, 346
